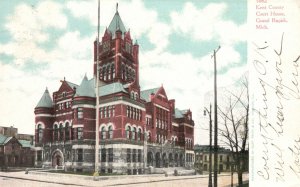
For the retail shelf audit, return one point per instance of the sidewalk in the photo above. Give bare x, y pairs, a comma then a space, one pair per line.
79, 180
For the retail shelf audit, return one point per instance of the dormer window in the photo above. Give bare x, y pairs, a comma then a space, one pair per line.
106, 46
128, 47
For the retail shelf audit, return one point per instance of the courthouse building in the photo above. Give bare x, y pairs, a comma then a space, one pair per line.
138, 128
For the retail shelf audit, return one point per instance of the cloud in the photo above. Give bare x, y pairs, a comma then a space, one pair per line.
143, 21
27, 27
197, 24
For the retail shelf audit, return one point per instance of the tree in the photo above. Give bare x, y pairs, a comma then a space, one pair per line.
234, 121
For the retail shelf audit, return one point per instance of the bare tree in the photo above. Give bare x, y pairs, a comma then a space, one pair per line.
234, 130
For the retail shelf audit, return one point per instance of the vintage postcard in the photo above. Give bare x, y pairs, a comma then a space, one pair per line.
149, 92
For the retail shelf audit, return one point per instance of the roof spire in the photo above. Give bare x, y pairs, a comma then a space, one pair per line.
117, 7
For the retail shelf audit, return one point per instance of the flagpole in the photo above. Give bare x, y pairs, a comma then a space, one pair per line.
97, 98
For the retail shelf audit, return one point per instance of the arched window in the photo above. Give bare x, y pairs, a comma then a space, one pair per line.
123, 72
101, 73
132, 95
61, 132
128, 132
55, 133
113, 70
103, 133
136, 96
110, 132
104, 73
133, 133
126, 73
67, 131
108, 72
149, 137
139, 134
40, 133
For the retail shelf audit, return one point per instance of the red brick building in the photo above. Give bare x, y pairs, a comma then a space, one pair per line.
137, 128
16, 150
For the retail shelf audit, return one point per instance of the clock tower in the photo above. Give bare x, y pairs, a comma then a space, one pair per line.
118, 55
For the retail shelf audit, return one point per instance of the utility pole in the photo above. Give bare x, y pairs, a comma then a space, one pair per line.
216, 120
210, 145
97, 98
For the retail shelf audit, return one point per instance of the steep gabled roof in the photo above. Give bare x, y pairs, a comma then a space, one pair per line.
2, 139
116, 24
178, 113
72, 85
25, 143
112, 88
86, 88
45, 100
145, 94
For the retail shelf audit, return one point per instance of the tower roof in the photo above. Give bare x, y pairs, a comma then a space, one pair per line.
45, 100
116, 24
112, 88
86, 88
145, 94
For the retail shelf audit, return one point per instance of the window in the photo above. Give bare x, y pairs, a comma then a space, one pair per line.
128, 132
110, 155
205, 158
113, 71
55, 133
104, 111
128, 155
149, 137
103, 155
101, 112
104, 73
39, 156
40, 133
80, 133
134, 155
67, 131
64, 94
79, 155
108, 111
132, 95
113, 110
139, 155
80, 113
221, 158
110, 132
103, 133
61, 132
139, 134
133, 133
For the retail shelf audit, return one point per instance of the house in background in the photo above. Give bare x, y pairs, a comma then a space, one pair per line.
15, 150
225, 159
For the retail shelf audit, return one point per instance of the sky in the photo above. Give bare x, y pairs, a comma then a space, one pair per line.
41, 42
